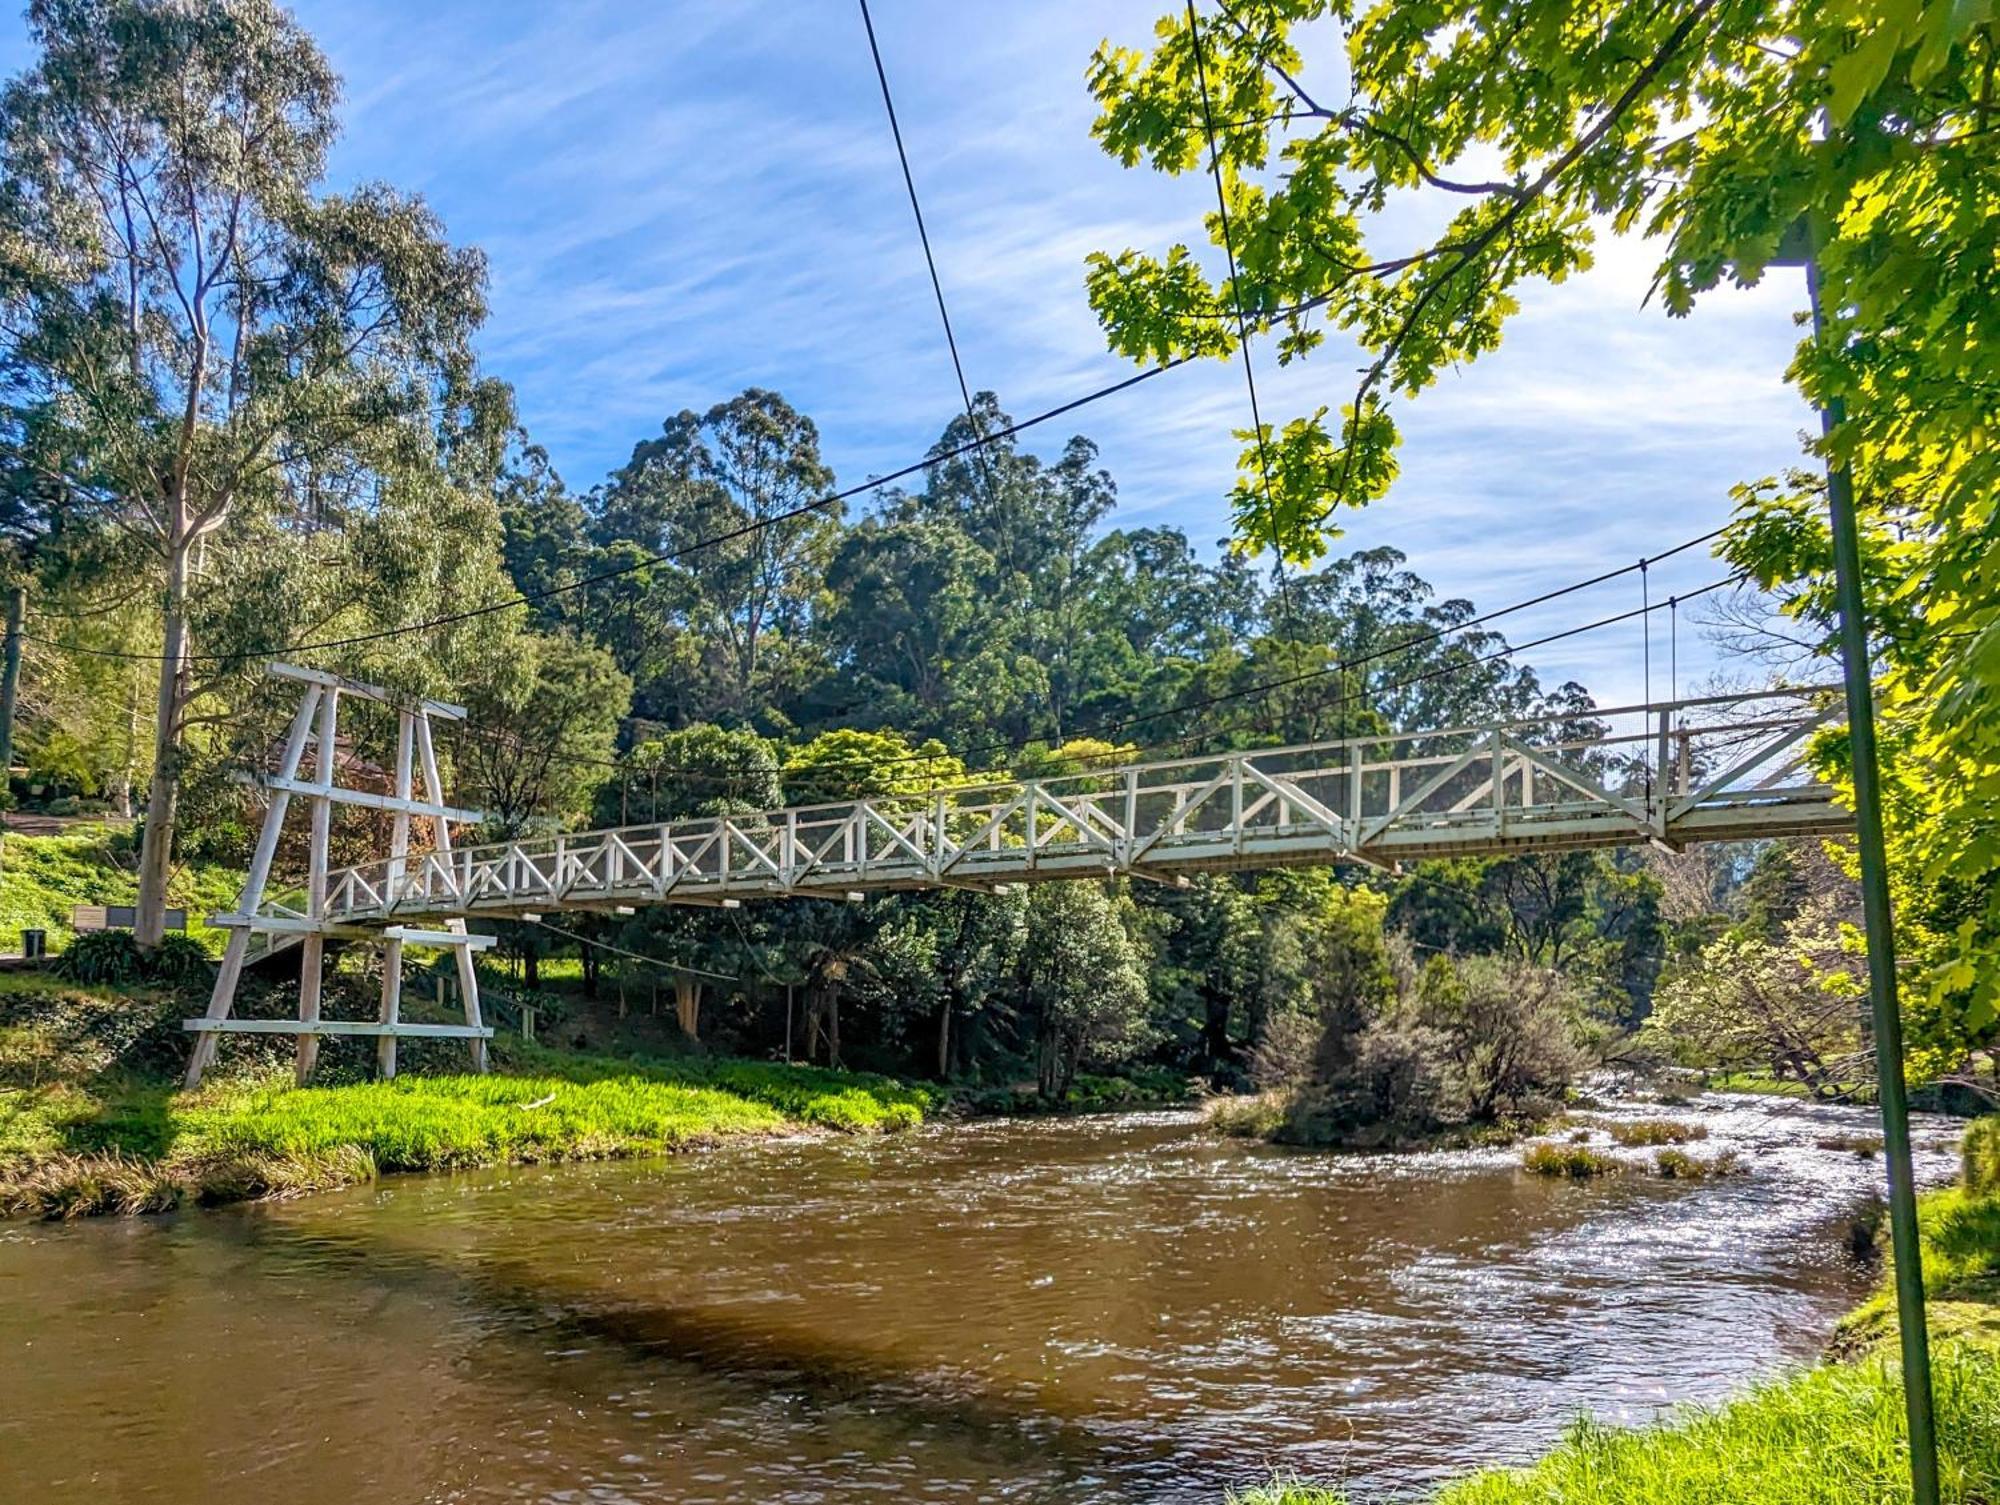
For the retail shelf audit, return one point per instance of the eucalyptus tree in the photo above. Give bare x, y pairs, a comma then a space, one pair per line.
198, 338
1729, 131
737, 499
909, 628
542, 729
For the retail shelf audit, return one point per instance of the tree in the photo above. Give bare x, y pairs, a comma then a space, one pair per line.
856, 765
947, 955
192, 330
1081, 980
541, 734
1509, 1031
691, 774
1790, 1005
1720, 128
908, 619
1586, 914
738, 496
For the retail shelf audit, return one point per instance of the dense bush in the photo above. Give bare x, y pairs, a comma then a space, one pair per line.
179, 962
112, 958
103, 958
1478, 1041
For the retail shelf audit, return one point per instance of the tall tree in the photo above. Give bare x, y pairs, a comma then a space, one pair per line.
541, 733
730, 494
192, 328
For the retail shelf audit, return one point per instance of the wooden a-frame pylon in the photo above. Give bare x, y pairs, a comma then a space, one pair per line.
316, 722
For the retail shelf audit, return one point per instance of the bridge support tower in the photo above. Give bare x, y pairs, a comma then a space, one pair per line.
257, 915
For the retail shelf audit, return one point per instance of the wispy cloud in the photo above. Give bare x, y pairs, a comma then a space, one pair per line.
679, 201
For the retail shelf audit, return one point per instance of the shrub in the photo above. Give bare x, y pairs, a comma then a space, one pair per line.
1862, 1146
1254, 1117
1679, 1165
107, 958
112, 958
1982, 1156
179, 961
1569, 1161
1651, 1131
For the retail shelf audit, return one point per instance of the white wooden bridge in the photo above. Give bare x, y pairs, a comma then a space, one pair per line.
1718, 768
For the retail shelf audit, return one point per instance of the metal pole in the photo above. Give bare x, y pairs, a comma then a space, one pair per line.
10, 677
1888, 1019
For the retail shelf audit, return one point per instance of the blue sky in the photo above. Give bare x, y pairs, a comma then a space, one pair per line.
682, 200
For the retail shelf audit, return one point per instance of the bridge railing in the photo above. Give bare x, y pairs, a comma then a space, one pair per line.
1657, 772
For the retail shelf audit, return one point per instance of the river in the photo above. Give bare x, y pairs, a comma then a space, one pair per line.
1094, 1310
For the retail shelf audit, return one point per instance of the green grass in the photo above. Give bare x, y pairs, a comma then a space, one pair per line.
1763, 1084
42, 877
91, 1119
1652, 1131
1572, 1162
1982, 1156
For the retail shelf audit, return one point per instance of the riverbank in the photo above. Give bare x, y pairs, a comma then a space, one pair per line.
92, 1121
1831, 1435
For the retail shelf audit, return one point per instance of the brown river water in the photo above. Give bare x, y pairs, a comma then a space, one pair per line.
1111, 1309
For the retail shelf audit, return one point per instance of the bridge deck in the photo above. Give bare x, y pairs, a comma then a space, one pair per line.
1714, 769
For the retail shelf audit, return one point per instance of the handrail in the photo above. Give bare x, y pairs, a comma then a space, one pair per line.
1241, 807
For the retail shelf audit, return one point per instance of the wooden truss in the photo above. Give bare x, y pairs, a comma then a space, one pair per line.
1721, 768
316, 725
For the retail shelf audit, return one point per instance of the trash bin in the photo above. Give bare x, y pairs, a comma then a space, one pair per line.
34, 944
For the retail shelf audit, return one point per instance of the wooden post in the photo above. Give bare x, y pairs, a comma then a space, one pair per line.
392, 1007
399, 830
468, 973
312, 960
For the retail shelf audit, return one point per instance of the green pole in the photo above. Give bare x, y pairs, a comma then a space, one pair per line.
10, 676
1888, 1018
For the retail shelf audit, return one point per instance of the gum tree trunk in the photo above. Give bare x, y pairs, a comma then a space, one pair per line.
163, 798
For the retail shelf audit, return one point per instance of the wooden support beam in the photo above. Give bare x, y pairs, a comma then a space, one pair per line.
443, 940
336, 1027
312, 962
367, 799
443, 709
230, 972
392, 1008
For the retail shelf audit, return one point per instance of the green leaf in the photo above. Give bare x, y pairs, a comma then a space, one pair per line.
1858, 74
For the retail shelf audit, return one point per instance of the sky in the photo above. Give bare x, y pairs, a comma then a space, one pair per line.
682, 200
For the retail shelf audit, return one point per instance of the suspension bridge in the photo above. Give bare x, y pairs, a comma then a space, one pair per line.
1671, 773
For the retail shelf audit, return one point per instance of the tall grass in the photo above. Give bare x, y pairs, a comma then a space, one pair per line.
1646, 1132
1982, 1156
1574, 1162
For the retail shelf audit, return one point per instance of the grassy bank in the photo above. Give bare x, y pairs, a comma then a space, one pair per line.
91, 1120
43, 877
1832, 1435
